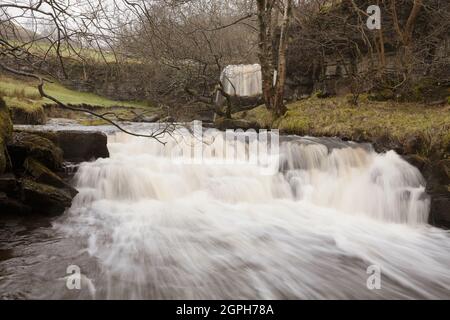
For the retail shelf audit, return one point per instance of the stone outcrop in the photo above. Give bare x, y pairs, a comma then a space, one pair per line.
76, 146
24, 116
45, 199
5, 134
82, 145
25, 144
42, 174
29, 183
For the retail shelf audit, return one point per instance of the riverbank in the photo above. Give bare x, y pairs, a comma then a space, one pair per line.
28, 107
418, 132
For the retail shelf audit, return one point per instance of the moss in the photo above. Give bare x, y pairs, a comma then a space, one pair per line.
42, 174
45, 199
26, 144
25, 111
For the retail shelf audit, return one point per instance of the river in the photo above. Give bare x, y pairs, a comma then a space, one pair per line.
148, 226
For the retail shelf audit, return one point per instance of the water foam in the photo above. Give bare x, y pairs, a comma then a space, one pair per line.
165, 229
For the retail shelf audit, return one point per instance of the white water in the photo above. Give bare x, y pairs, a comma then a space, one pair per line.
242, 80
162, 229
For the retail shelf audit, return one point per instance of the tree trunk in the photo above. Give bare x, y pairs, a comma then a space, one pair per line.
279, 106
273, 91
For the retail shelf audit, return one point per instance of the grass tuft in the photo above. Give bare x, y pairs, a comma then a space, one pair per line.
368, 121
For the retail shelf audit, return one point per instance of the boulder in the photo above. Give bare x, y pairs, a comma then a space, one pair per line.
26, 144
8, 183
3, 161
437, 174
12, 206
440, 211
82, 145
45, 199
5, 134
412, 144
77, 146
42, 174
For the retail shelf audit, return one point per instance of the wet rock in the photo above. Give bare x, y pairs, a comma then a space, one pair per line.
43, 175
416, 160
440, 211
12, 206
45, 199
5, 134
384, 143
437, 175
77, 146
83, 145
412, 144
8, 183
25, 144
3, 161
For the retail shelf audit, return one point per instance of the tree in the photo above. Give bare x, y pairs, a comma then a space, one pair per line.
189, 43
38, 38
273, 79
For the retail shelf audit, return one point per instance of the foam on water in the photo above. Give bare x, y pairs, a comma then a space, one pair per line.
166, 229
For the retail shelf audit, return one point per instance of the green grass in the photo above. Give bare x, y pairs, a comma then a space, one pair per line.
366, 122
24, 94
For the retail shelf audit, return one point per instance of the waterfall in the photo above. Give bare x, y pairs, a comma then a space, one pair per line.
243, 80
161, 228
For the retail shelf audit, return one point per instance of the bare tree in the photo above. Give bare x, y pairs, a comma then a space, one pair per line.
58, 30
190, 43
273, 79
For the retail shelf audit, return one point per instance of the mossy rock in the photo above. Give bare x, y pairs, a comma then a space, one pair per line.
3, 160
27, 115
42, 174
5, 133
24, 145
45, 199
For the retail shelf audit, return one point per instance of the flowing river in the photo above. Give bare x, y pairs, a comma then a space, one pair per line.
146, 225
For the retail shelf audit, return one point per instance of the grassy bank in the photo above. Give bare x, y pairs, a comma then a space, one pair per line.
413, 128
25, 102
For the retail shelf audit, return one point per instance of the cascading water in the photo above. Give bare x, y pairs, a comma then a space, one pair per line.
148, 226
243, 80
164, 229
